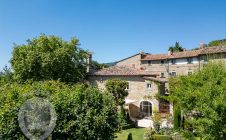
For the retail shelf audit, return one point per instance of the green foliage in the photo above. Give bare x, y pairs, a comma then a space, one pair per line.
156, 121
176, 118
176, 48
217, 43
6, 75
202, 98
148, 135
117, 88
98, 66
130, 137
83, 113
49, 58
161, 137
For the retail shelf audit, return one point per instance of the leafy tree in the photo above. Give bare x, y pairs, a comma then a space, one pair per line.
117, 88
201, 96
49, 58
176, 118
176, 48
6, 75
98, 66
217, 43
83, 113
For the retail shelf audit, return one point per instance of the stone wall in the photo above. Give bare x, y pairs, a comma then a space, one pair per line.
133, 61
138, 90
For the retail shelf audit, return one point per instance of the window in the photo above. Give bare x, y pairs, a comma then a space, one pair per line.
190, 60
173, 73
146, 109
162, 75
149, 62
162, 62
148, 85
173, 61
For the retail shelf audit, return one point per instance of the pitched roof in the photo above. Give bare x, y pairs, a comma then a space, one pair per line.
184, 54
121, 71
209, 50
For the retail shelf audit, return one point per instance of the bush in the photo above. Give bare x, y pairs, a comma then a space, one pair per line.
82, 112
161, 137
177, 118
166, 131
148, 135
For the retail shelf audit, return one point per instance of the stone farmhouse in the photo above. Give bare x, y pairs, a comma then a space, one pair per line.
147, 75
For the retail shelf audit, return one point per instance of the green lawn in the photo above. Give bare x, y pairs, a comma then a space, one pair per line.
137, 134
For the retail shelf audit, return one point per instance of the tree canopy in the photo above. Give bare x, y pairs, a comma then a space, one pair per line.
176, 48
83, 113
201, 96
117, 88
98, 66
217, 43
49, 58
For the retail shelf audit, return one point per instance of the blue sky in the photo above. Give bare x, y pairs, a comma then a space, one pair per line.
113, 29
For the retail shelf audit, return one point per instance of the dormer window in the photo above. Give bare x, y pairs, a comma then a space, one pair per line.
190, 60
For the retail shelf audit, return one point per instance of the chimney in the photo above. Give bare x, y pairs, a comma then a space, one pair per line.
88, 62
170, 52
202, 45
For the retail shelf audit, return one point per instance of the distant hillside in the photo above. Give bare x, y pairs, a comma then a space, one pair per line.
214, 43
217, 43
110, 64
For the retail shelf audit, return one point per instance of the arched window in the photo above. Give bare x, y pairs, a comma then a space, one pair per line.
146, 108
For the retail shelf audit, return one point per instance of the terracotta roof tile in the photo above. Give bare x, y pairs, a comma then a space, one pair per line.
217, 49
207, 50
121, 71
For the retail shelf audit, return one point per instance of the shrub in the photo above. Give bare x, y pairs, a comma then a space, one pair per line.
148, 135
82, 112
161, 137
176, 118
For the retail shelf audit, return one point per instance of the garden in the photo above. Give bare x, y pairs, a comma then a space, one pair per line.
55, 70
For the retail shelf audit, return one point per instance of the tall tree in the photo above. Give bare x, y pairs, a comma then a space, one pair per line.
83, 113
217, 43
118, 90
202, 98
98, 66
49, 58
176, 48
6, 75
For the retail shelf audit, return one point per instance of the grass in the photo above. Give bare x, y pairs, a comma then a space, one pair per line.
137, 134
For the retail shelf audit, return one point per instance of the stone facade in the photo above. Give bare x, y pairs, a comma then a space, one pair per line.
133, 61
155, 70
138, 91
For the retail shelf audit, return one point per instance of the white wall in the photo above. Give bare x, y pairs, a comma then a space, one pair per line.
182, 61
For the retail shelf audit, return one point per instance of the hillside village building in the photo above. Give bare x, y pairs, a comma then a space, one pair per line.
147, 75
